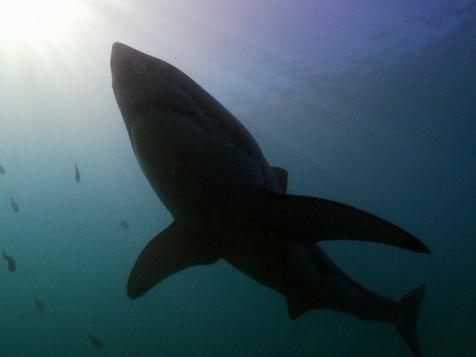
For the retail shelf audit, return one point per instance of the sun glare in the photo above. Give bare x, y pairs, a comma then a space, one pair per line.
36, 21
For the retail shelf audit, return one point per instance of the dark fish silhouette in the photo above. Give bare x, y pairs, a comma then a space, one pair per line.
2, 170
124, 224
10, 262
77, 175
39, 304
228, 203
14, 205
95, 341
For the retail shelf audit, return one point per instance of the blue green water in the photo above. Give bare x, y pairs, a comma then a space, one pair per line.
368, 103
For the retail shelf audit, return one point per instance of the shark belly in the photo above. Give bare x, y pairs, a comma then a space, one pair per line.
197, 172
286, 269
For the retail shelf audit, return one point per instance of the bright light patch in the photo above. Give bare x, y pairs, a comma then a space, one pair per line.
36, 20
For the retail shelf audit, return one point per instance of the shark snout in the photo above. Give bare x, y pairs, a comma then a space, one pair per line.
120, 51
132, 64
120, 62
128, 69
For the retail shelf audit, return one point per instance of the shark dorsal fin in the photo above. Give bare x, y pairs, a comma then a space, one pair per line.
282, 178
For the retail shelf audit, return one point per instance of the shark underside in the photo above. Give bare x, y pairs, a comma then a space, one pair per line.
229, 203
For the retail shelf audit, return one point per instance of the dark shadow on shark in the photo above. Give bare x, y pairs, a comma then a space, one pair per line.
228, 203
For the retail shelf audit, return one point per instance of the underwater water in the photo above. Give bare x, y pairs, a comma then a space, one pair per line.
368, 103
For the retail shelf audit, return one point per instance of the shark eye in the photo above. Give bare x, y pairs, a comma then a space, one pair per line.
182, 109
186, 111
176, 107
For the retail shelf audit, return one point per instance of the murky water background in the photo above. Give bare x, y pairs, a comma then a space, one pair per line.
367, 103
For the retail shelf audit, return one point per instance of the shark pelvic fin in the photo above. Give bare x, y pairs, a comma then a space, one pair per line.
305, 220
171, 251
282, 178
296, 307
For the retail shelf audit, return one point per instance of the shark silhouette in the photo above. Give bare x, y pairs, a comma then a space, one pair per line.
228, 203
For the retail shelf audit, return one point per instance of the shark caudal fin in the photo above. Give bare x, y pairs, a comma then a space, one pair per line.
409, 311
305, 220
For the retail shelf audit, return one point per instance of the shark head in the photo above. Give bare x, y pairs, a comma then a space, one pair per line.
147, 87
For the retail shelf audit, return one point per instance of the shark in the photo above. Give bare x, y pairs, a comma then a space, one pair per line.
228, 203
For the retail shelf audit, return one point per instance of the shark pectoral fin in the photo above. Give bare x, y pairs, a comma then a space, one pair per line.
282, 178
171, 251
305, 220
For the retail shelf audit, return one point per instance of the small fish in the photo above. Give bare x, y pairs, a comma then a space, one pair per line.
2, 170
77, 176
14, 205
95, 341
39, 304
124, 224
10, 261
73, 210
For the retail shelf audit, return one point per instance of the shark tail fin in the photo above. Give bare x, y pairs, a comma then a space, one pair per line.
409, 311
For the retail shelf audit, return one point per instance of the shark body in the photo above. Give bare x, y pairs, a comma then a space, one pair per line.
229, 203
